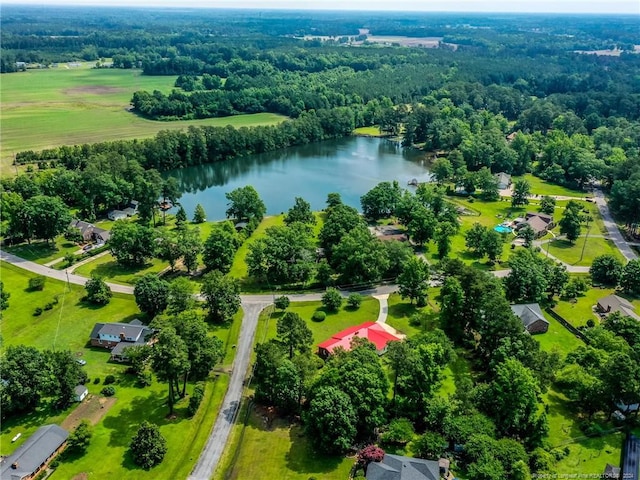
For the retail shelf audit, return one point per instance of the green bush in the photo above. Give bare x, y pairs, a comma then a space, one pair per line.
37, 312
319, 316
96, 381
354, 300
37, 283
109, 379
48, 306
195, 399
108, 391
332, 300
282, 303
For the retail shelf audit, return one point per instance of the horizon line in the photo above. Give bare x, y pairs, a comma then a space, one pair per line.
130, 5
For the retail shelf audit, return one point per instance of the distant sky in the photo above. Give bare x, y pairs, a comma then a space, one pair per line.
539, 6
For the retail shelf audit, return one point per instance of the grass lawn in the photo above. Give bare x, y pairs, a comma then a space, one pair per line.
107, 268
368, 131
557, 338
579, 312
572, 253
281, 451
400, 311
239, 267
541, 187
68, 324
107, 455
51, 107
586, 455
42, 252
333, 323
457, 369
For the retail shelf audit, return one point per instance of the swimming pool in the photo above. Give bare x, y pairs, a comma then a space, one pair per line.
502, 229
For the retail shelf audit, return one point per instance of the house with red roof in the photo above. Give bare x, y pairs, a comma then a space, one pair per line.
372, 331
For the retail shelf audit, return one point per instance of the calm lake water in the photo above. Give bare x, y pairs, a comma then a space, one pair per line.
350, 166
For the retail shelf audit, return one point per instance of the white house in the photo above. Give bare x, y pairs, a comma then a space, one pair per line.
80, 392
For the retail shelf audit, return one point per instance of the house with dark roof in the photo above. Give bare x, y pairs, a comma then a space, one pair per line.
119, 336
397, 467
532, 317
372, 331
504, 180
614, 303
89, 232
34, 455
541, 223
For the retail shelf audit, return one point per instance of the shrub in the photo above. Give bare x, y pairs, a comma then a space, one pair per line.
332, 300
37, 283
399, 432
109, 379
354, 300
148, 446
108, 391
37, 312
96, 381
591, 323
282, 303
48, 306
195, 399
319, 316
98, 292
144, 379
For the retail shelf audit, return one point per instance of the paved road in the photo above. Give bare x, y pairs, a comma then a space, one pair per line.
217, 440
612, 227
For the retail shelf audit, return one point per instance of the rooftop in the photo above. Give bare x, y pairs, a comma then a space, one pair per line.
34, 452
372, 331
397, 467
528, 313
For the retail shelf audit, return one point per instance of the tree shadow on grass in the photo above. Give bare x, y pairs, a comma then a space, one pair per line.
402, 310
301, 457
114, 269
36, 418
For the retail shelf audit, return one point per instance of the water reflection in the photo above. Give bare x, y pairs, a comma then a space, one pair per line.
349, 166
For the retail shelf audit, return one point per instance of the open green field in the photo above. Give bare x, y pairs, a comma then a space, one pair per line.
282, 451
52, 107
583, 251
107, 268
557, 338
333, 323
373, 131
586, 455
68, 325
541, 187
42, 252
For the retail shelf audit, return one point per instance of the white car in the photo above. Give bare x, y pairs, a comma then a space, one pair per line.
81, 361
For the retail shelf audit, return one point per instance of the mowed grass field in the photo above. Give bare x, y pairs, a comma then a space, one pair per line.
67, 325
52, 107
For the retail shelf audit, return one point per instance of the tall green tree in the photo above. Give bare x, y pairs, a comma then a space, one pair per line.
220, 247
521, 193
300, 212
570, 222
381, 201
199, 215
132, 244
359, 257
413, 282
245, 204
170, 362
98, 292
330, 421
606, 269
191, 247
294, 333
222, 296
151, 294
148, 446
630, 278
443, 235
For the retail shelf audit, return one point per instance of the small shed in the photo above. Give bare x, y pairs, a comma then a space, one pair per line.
504, 180
532, 317
80, 392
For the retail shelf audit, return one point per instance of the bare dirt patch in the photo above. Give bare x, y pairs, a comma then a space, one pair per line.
93, 408
93, 89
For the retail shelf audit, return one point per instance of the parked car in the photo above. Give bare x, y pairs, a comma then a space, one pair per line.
81, 361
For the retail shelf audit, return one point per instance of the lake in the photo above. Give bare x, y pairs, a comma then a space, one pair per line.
349, 166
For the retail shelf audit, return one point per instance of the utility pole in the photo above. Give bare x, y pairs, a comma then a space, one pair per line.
586, 237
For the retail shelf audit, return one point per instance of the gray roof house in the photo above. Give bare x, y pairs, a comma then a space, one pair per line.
90, 232
614, 303
119, 336
397, 467
34, 454
531, 316
504, 180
